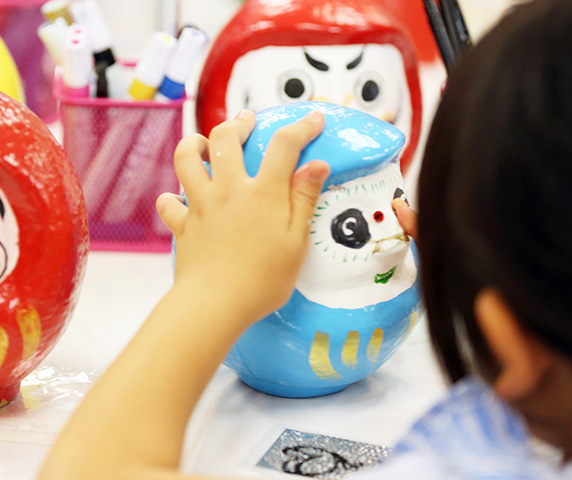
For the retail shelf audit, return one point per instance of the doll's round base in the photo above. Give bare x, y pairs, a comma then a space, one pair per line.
8, 393
289, 391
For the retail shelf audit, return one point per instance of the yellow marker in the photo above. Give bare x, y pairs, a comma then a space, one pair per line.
374, 346
320, 358
10, 82
150, 70
31, 330
4, 342
350, 350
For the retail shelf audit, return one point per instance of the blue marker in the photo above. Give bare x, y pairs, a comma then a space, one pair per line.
181, 64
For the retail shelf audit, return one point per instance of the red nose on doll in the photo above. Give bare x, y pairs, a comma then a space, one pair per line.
43, 243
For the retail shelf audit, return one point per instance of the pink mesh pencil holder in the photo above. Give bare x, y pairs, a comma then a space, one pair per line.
19, 22
122, 152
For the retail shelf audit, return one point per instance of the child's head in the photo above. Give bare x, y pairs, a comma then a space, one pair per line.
495, 192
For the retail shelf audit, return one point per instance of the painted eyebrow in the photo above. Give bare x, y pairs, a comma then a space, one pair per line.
356, 62
316, 63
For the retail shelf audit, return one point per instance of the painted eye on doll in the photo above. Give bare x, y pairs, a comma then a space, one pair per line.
294, 86
399, 193
368, 90
350, 229
378, 216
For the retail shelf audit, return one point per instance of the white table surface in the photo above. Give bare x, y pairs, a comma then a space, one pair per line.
233, 424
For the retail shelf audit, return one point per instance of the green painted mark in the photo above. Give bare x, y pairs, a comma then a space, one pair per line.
363, 187
383, 278
318, 243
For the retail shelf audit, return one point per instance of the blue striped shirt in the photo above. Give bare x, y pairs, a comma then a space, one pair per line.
469, 435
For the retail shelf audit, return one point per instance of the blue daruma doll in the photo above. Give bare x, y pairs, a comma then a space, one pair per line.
358, 294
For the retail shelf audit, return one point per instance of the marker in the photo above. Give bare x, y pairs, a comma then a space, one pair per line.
109, 157
53, 36
150, 70
53, 9
137, 175
76, 66
456, 26
79, 139
87, 13
440, 33
183, 60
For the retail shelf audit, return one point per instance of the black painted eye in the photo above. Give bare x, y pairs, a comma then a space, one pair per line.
294, 85
350, 229
369, 89
2, 209
294, 88
399, 193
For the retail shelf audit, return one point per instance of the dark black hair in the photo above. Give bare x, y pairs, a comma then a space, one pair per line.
495, 188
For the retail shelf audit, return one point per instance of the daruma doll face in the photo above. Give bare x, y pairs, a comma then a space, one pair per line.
43, 243
354, 53
357, 297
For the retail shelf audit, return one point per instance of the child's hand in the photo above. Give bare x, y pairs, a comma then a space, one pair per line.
245, 237
407, 217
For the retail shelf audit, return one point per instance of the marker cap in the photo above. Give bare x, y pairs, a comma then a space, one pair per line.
53, 9
150, 70
182, 62
88, 13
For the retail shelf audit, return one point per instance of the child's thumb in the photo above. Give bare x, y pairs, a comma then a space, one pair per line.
307, 184
171, 208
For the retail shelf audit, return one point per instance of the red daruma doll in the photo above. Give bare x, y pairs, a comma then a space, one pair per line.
43, 243
354, 53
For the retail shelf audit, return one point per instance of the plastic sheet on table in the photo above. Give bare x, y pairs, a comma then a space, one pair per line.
47, 398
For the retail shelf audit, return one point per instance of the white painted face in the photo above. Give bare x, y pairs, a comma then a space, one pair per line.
370, 78
359, 254
9, 238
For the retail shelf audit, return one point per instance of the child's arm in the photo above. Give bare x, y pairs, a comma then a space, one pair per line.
240, 246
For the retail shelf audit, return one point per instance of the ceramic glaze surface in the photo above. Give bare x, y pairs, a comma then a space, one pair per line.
358, 294
349, 52
43, 243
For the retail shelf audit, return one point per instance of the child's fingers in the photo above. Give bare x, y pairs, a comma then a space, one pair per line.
172, 210
284, 149
189, 156
225, 146
406, 215
307, 184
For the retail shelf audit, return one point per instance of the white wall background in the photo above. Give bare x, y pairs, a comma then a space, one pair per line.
133, 21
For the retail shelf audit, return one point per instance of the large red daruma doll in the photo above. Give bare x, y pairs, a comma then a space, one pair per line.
354, 53
43, 243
